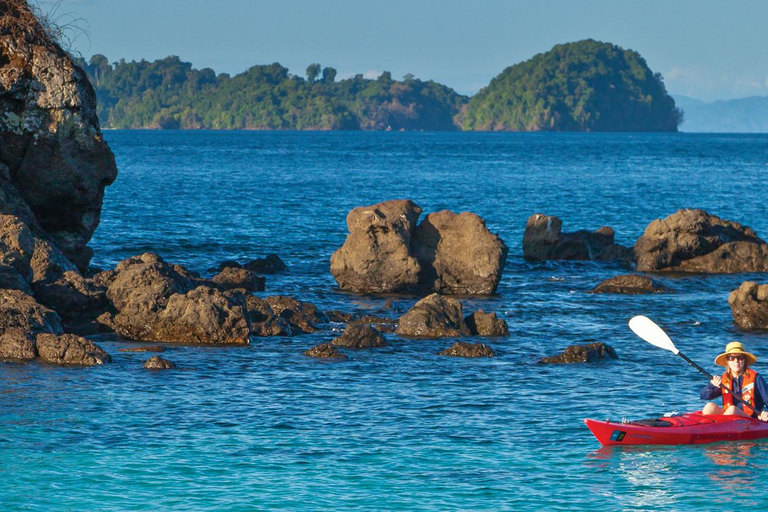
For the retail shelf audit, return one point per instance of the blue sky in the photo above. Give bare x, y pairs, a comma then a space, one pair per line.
706, 49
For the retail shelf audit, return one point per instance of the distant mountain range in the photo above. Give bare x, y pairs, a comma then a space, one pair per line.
745, 115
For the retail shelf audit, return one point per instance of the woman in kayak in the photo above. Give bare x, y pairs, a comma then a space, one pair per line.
739, 377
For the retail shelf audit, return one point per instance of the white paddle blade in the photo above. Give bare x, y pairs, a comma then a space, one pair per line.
652, 333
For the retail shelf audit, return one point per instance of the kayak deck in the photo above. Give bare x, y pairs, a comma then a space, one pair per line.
688, 428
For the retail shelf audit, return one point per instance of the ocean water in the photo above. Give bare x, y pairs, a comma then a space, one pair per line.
400, 428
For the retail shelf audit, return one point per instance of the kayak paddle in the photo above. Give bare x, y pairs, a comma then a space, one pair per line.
655, 335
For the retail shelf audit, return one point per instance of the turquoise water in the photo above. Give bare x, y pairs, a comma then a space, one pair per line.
400, 428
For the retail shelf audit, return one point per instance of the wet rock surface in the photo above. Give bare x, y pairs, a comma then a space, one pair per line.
69, 349
272, 264
302, 317
463, 349
543, 239
435, 316
695, 241
158, 363
17, 344
749, 306
631, 284
232, 278
19, 310
590, 353
360, 336
481, 323
325, 351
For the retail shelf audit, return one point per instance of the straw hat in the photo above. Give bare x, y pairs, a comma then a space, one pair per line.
735, 348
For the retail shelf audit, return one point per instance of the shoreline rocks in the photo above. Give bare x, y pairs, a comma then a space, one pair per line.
632, 284
590, 353
435, 316
463, 349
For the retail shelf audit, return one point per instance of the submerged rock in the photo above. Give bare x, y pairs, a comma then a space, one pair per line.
360, 336
463, 349
749, 306
629, 284
435, 316
158, 363
302, 317
272, 264
695, 241
325, 351
544, 240
590, 353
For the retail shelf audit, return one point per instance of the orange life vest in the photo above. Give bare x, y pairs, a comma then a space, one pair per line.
747, 390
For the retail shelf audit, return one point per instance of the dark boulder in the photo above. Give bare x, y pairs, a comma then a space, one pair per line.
543, 239
376, 256
749, 306
303, 317
463, 349
481, 323
629, 284
264, 322
458, 254
591, 353
434, 316
324, 351
158, 363
695, 241
360, 336
272, 264
69, 349
239, 278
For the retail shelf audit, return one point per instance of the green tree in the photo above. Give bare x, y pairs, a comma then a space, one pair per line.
313, 70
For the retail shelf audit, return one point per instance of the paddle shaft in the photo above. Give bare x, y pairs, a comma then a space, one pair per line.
724, 388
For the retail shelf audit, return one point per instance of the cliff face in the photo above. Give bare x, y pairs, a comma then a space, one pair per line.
54, 162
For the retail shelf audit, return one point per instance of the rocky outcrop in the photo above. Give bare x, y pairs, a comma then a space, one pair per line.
749, 306
434, 316
231, 278
632, 284
20, 311
463, 349
264, 321
481, 323
69, 349
272, 264
590, 353
695, 241
303, 317
157, 301
17, 344
458, 254
360, 336
543, 239
54, 162
386, 251
376, 256
158, 363
324, 351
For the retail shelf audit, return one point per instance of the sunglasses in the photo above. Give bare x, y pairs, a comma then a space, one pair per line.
735, 358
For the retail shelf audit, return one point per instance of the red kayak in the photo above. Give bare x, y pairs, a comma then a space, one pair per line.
688, 428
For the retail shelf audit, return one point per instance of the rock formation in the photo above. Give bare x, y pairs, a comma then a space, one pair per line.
749, 306
360, 336
386, 251
590, 353
695, 241
325, 351
481, 323
543, 239
463, 349
434, 316
629, 284
54, 162
158, 363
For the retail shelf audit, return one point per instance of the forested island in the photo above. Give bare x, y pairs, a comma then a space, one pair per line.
582, 86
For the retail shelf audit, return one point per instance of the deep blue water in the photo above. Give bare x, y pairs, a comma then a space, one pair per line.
399, 428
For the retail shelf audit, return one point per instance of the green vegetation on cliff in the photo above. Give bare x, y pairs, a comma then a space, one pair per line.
171, 94
582, 86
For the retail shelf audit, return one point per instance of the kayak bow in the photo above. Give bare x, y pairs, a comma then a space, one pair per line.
688, 428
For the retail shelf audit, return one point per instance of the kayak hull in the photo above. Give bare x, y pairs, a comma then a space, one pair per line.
689, 428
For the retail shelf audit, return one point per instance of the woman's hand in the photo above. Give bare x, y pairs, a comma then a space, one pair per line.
763, 416
716, 381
